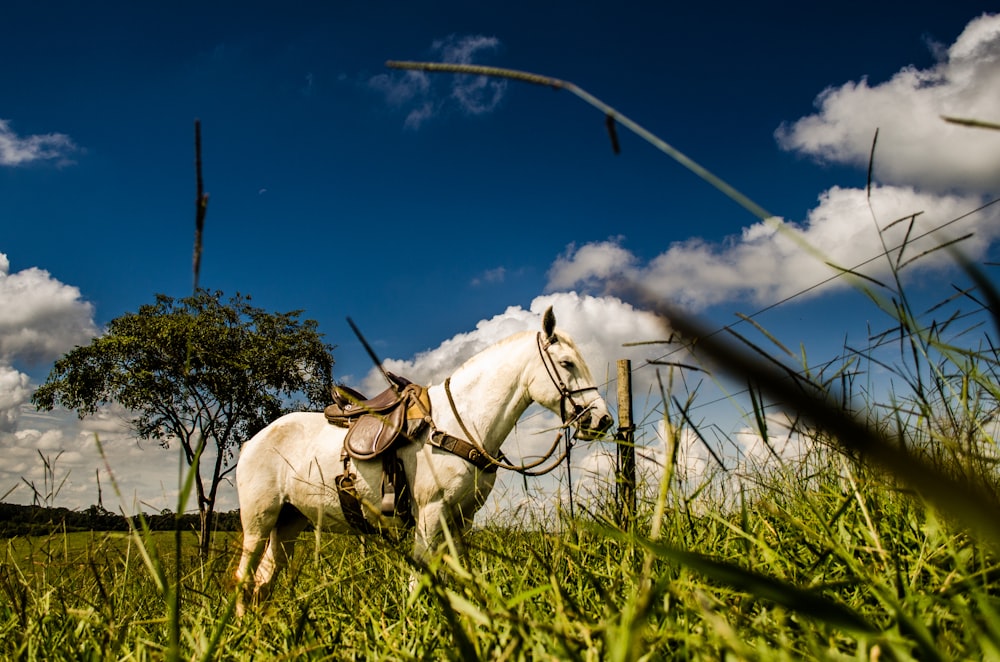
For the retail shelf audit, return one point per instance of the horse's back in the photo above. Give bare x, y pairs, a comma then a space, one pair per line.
295, 447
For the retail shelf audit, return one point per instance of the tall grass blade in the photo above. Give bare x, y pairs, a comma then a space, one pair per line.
804, 601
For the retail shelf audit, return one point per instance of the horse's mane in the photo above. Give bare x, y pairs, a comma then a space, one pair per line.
511, 339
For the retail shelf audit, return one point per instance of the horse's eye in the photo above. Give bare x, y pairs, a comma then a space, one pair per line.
566, 363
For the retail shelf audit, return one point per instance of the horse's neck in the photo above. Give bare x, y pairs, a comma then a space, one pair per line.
489, 395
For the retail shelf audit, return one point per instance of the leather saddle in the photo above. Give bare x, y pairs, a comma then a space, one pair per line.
375, 424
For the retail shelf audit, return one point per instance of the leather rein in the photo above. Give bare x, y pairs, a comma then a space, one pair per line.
565, 396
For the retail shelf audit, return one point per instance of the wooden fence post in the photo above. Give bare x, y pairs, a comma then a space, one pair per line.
625, 480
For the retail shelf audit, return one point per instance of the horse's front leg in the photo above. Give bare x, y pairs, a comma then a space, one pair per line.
427, 533
433, 521
427, 536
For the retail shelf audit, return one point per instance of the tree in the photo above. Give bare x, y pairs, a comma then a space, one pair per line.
200, 373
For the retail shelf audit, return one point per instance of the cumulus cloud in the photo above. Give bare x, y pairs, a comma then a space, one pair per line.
15, 390
54, 458
599, 325
42, 317
765, 264
785, 442
591, 264
421, 95
16, 150
915, 146
49, 452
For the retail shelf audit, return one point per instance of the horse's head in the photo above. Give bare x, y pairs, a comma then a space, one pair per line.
563, 383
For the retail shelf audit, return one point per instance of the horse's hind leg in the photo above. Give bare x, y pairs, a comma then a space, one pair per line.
289, 525
258, 526
253, 550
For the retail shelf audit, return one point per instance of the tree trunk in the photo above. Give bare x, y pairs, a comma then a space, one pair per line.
206, 517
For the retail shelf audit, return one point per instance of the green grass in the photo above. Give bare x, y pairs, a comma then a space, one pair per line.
851, 568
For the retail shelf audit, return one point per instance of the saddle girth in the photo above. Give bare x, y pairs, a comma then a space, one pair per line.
395, 495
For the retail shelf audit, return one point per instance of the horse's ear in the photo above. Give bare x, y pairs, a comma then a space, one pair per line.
549, 324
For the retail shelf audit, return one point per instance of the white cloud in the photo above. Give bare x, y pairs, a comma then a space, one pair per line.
55, 453
489, 276
18, 150
58, 457
42, 317
915, 146
592, 264
462, 50
419, 115
599, 325
15, 390
785, 442
419, 93
401, 88
475, 95
765, 265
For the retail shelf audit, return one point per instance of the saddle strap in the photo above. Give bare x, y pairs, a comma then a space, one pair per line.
397, 489
464, 450
350, 503
395, 496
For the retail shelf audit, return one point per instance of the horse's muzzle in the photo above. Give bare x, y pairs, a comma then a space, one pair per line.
595, 431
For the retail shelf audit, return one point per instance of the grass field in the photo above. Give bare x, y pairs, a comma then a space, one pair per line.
850, 568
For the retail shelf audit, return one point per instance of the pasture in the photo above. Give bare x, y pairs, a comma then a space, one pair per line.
842, 565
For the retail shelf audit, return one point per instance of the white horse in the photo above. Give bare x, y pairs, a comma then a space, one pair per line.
286, 472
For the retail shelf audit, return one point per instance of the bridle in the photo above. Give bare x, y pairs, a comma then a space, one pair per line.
565, 393
565, 397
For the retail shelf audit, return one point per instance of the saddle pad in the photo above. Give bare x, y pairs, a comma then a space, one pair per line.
372, 434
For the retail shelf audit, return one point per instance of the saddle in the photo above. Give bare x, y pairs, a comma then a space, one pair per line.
376, 427
375, 424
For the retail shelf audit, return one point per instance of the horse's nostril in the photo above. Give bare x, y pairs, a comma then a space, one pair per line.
605, 423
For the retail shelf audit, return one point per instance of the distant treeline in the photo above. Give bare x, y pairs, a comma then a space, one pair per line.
18, 520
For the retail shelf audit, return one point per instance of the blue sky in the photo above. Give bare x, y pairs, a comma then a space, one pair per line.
433, 209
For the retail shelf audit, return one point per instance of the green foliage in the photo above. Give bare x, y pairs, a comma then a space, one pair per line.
19, 520
195, 365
